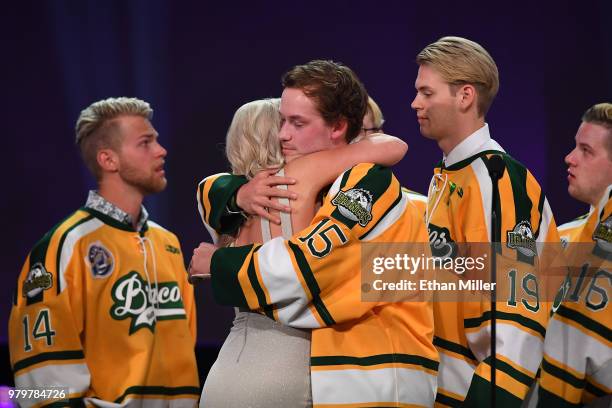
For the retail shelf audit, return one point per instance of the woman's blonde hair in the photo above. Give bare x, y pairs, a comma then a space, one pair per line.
252, 142
374, 110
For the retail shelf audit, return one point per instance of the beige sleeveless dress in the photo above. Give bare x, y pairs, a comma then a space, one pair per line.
262, 363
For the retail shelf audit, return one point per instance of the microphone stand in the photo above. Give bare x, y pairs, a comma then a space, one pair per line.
496, 167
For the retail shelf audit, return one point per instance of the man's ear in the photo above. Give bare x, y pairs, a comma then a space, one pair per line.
467, 97
108, 160
339, 129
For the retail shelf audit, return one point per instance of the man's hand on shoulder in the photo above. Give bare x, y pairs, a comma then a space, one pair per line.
256, 196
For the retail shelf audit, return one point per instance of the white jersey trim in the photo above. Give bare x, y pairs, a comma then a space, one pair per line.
283, 285
68, 246
385, 385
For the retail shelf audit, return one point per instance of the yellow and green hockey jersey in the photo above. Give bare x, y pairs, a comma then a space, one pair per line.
363, 354
418, 199
577, 365
459, 211
107, 313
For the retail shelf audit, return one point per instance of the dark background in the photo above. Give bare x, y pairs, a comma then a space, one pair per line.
197, 62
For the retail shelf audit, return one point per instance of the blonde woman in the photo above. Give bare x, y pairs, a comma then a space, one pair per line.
263, 362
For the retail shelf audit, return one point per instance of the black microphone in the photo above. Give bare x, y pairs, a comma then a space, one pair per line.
496, 167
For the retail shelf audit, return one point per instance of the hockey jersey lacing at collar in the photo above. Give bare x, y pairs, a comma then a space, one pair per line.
433, 189
142, 241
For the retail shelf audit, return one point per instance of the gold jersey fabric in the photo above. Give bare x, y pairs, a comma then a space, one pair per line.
108, 313
577, 365
363, 354
459, 211
419, 201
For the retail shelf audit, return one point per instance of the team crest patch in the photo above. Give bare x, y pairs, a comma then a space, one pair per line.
38, 279
603, 234
100, 259
355, 204
521, 239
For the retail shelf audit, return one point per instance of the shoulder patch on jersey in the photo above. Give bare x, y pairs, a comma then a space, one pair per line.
101, 260
521, 239
603, 234
172, 249
355, 204
38, 279
564, 241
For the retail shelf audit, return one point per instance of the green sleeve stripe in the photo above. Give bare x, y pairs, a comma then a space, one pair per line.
511, 371
259, 292
563, 375
446, 400
54, 355
518, 179
375, 360
454, 347
220, 193
585, 322
224, 267
157, 390
479, 395
345, 178
376, 181
61, 245
312, 284
517, 318
595, 390
548, 399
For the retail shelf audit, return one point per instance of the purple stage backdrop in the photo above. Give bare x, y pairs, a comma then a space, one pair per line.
196, 62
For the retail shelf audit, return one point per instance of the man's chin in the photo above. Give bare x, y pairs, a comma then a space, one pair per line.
155, 187
426, 133
576, 194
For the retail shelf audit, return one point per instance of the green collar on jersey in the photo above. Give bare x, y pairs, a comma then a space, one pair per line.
113, 222
469, 160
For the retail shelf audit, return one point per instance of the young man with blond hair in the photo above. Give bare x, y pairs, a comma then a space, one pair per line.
456, 84
577, 365
103, 309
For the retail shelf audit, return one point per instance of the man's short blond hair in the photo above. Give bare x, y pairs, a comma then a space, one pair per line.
96, 127
252, 142
601, 114
461, 61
